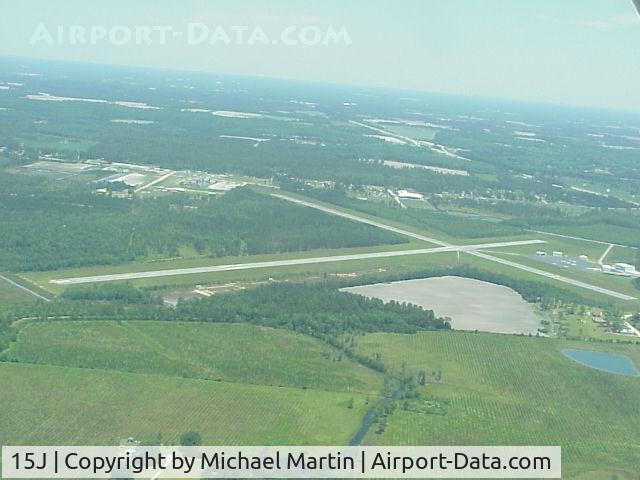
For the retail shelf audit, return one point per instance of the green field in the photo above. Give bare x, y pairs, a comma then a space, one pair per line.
233, 383
380, 218
47, 405
507, 390
11, 296
621, 284
613, 282
571, 247
285, 273
239, 353
622, 254
43, 278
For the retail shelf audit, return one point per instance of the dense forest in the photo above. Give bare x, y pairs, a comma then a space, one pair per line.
607, 225
337, 312
428, 220
319, 309
316, 309
47, 227
604, 225
308, 134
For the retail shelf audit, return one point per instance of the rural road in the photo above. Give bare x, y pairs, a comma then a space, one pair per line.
604, 255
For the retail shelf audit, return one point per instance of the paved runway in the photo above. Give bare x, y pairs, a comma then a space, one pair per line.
472, 251
443, 247
275, 263
21, 287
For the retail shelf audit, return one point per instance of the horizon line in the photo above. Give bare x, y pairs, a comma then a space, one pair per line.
539, 103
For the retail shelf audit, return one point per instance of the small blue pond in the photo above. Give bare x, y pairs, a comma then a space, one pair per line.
606, 362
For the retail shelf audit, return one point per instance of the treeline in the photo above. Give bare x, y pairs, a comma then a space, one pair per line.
431, 221
318, 309
309, 142
315, 308
47, 227
110, 292
7, 334
511, 205
622, 227
532, 291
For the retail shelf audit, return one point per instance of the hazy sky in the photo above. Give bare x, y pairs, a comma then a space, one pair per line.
584, 52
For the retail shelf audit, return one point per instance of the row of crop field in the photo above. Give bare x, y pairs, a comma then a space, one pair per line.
239, 353
511, 390
48, 405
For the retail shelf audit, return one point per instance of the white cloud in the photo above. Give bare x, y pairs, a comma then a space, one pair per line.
611, 22
616, 21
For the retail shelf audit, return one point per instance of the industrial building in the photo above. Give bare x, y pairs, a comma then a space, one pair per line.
410, 195
625, 269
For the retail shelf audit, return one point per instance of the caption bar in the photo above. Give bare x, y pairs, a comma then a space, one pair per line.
281, 462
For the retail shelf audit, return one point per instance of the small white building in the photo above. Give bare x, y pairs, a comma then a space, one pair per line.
410, 195
583, 257
541, 254
558, 254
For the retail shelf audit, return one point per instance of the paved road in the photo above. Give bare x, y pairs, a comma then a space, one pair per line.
632, 328
157, 180
21, 287
604, 255
276, 263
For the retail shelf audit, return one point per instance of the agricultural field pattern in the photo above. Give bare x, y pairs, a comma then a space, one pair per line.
270, 262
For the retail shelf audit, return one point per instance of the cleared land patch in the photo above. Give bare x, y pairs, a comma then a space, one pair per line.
471, 304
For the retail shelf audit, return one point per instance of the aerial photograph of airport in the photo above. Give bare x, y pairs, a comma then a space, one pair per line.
353, 223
